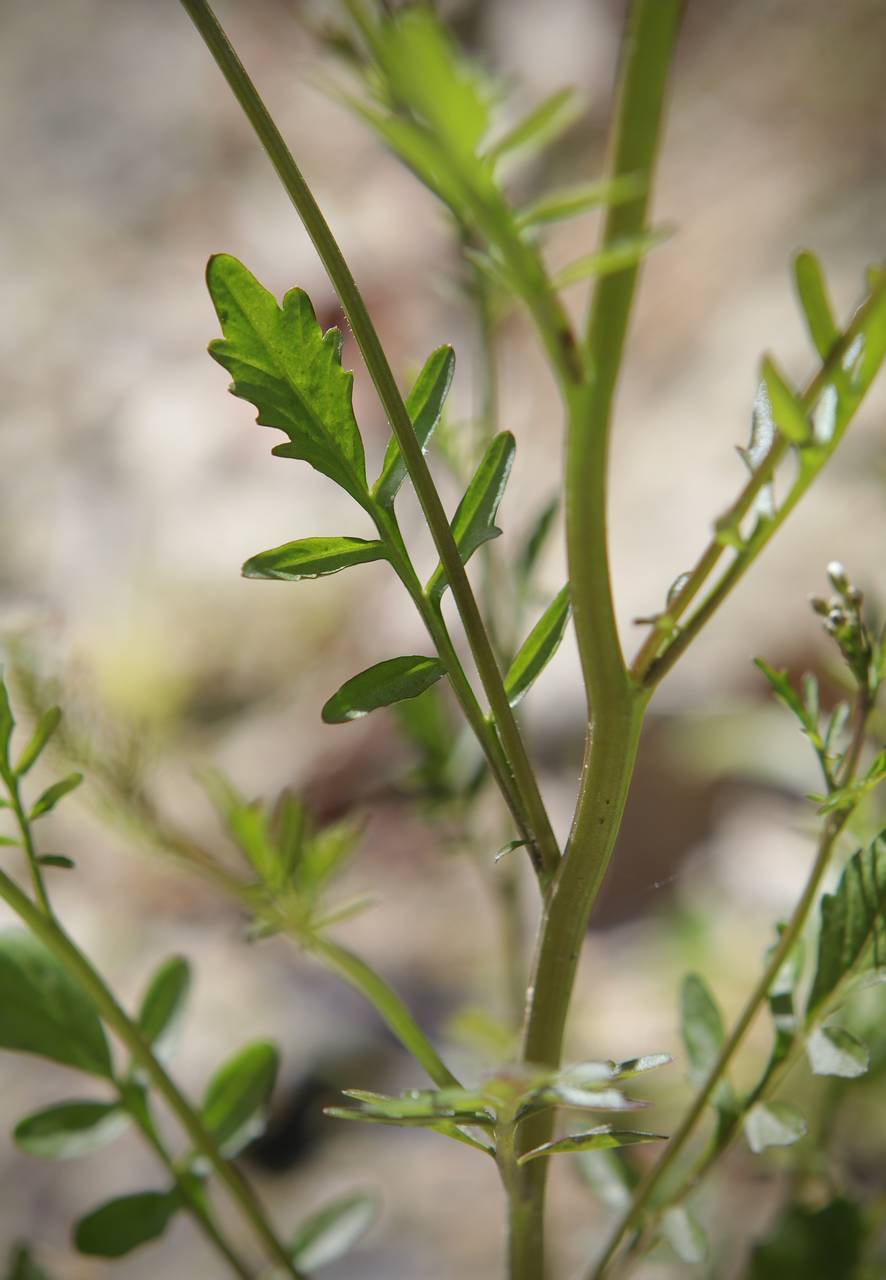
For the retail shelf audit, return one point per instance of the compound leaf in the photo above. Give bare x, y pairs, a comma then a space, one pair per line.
282, 362
380, 686
312, 558
43, 1011
70, 1129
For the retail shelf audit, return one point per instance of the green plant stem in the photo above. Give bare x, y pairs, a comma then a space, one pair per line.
483, 730
615, 704
387, 1004
389, 394
525, 1236
663, 646
647, 1188
191, 1195
54, 937
24, 826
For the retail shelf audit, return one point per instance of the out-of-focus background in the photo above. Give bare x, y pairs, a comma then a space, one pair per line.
132, 488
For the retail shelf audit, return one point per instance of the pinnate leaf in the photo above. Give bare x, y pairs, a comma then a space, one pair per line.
121, 1225
282, 362
773, 1124
312, 558
236, 1099
70, 1129
474, 521
424, 404
852, 939
538, 648
380, 686
333, 1230
42, 1010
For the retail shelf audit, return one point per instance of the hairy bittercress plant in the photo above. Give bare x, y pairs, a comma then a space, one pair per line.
439, 115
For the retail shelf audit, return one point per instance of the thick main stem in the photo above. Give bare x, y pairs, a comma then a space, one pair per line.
615, 703
389, 394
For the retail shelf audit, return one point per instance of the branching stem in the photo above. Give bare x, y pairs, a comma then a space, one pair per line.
389, 394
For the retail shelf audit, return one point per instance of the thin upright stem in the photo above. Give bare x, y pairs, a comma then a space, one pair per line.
54, 937
834, 826
24, 826
389, 394
191, 1195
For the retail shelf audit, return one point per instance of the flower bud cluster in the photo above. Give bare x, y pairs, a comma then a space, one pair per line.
843, 620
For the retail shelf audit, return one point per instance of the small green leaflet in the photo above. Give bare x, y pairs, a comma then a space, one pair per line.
424, 404
834, 1052
70, 1129
429, 76
813, 295
332, 1231
788, 413
43, 731
684, 1235
541, 125
380, 686
282, 362
312, 558
599, 1139
621, 255
702, 1031
852, 940
53, 794
237, 1096
123, 1224
164, 1003
538, 648
534, 541
474, 521
773, 1124
43, 1011
571, 201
